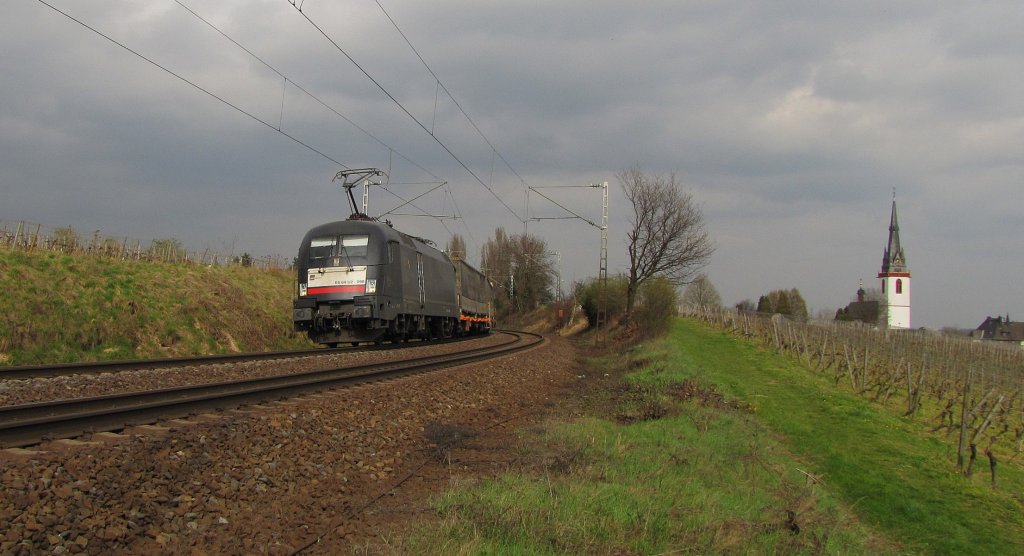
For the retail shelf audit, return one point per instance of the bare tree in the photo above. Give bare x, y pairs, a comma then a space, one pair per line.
521, 267
667, 236
65, 240
701, 293
496, 260
167, 249
456, 247
875, 294
534, 272
746, 306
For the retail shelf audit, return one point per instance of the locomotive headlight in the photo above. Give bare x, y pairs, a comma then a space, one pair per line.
371, 286
302, 290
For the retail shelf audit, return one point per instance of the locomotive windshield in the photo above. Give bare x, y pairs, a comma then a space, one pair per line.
338, 251
321, 248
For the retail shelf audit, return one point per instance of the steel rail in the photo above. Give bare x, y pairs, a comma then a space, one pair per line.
97, 367
28, 424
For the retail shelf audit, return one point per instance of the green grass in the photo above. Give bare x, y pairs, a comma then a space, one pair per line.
896, 475
657, 487
706, 448
657, 466
60, 308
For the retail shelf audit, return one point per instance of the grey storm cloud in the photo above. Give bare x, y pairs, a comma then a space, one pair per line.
791, 122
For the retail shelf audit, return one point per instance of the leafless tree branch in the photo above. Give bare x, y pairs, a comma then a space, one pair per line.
667, 237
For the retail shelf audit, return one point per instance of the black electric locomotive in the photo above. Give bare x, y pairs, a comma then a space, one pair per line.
360, 280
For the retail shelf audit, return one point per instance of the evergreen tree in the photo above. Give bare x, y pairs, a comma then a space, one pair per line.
797, 306
784, 302
781, 304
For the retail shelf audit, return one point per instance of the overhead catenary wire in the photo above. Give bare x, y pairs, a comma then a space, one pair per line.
306, 92
296, 5
415, 182
494, 151
191, 83
410, 201
440, 219
413, 205
566, 209
277, 128
391, 149
465, 226
442, 86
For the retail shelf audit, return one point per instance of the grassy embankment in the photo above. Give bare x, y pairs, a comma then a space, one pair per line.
713, 445
62, 308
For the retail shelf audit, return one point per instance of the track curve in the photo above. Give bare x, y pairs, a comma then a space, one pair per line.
27, 424
98, 367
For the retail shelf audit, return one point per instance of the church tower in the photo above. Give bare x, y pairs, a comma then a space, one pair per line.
895, 276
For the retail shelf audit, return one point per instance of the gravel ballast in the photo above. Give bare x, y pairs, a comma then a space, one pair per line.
14, 392
266, 479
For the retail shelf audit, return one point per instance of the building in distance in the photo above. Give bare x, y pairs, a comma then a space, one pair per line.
998, 329
892, 307
895, 277
863, 310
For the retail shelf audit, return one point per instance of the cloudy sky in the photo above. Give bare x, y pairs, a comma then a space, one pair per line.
790, 122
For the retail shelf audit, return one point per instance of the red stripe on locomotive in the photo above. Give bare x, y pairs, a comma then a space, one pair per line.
338, 289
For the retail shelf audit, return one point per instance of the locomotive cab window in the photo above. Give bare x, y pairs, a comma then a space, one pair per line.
338, 251
321, 249
353, 250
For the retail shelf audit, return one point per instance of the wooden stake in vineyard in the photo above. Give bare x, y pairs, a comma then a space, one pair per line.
963, 421
984, 379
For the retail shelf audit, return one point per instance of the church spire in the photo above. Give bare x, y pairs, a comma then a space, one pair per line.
894, 260
895, 277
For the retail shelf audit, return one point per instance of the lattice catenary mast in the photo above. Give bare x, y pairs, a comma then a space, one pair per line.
602, 277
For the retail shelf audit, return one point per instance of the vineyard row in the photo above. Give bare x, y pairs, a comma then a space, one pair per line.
967, 390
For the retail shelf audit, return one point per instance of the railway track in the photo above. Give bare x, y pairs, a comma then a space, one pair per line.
99, 367
28, 424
